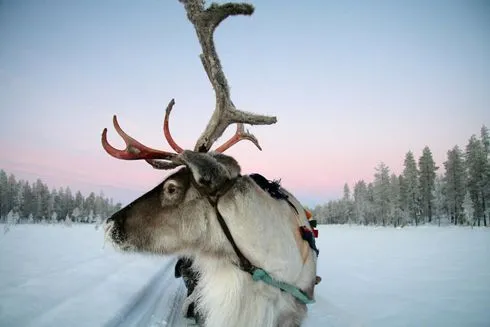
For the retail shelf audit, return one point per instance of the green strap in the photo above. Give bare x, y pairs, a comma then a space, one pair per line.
261, 274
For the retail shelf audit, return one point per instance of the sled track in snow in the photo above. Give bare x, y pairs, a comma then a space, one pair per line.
158, 304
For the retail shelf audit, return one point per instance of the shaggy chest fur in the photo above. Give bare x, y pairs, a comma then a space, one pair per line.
227, 296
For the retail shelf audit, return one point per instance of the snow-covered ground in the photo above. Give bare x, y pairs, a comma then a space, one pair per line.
425, 276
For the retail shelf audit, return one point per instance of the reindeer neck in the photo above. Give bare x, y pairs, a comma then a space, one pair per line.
229, 297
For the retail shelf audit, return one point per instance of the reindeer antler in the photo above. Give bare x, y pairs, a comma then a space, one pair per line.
240, 134
205, 22
136, 151
166, 130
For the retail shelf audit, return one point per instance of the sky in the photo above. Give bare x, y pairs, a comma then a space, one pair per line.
352, 83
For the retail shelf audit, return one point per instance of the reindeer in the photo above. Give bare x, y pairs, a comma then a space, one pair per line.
247, 244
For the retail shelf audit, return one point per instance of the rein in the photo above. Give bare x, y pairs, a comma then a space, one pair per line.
245, 264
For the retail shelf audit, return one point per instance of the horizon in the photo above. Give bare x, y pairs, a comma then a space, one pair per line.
352, 84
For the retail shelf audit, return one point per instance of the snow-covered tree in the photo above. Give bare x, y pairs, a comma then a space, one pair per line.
427, 176
28, 205
360, 202
468, 209
3, 195
410, 187
38, 198
68, 201
455, 182
19, 199
68, 221
91, 217
12, 192
346, 206
396, 204
89, 205
54, 218
381, 189
12, 219
485, 138
76, 215
476, 161
440, 201
370, 214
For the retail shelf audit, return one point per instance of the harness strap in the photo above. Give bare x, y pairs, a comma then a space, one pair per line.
261, 274
245, 264
258, 273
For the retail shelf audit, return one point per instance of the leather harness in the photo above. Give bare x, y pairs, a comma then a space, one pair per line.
245, 264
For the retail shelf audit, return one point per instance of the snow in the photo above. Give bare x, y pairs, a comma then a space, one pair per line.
61, 276
417, 276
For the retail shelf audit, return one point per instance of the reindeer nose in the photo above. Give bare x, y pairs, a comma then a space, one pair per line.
118, 217
115, 226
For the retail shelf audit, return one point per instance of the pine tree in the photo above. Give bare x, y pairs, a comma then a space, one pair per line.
76, 215
12, 219
54, 218
68, 201
8, 221
37, 191
455, 180
51, 203
19, 199
370, 206
440, 200
476, 162
68, 222
12, 193
91, 217
485, 138
468, 210
411, 187
427, 176
360, 202
395, 201
381, 189
79, 203
28, 200
89, 205
3, 195
346, 206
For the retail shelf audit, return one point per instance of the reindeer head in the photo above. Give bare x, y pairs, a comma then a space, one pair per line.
177, 215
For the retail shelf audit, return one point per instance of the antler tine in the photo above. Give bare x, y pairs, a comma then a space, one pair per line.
240, 134
205, 21
134, 149
166, 130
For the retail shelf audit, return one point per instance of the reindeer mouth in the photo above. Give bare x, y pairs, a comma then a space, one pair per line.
116, 236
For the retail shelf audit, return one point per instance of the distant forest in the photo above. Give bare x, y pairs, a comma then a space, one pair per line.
419, 195
22, 202
460, 195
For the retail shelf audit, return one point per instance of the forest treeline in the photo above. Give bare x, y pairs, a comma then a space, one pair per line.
422, 193
21, 201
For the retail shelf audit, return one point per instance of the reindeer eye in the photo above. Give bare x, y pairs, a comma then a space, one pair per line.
171, 188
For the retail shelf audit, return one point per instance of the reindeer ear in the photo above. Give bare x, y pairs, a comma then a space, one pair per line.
210, 170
